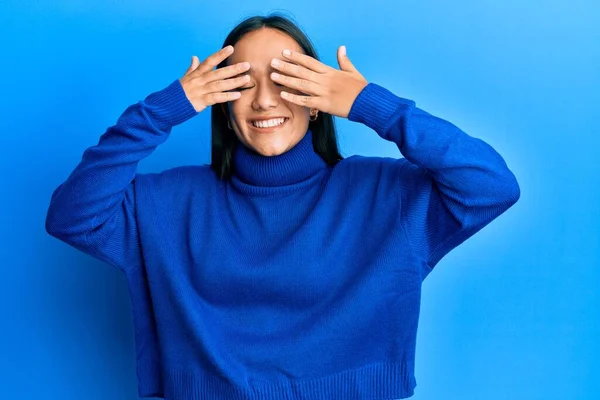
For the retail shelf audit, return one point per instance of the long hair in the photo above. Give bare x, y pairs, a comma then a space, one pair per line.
224, 140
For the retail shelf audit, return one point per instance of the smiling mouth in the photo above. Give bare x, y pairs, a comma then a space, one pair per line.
268, 128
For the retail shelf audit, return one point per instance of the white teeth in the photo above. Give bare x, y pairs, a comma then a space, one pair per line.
268, 123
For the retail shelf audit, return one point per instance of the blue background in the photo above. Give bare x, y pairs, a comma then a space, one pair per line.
513, 313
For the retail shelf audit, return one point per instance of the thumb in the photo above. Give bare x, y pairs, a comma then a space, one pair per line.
344, 61
194, 65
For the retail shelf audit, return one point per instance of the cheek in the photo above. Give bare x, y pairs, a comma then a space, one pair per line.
301, 115
299, 111
236, 108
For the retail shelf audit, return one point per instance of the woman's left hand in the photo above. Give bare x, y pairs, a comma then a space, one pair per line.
329, 90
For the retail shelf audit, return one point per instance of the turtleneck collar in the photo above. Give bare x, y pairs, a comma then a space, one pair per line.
295, 165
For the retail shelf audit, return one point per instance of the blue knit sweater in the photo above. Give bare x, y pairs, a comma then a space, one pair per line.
294, 279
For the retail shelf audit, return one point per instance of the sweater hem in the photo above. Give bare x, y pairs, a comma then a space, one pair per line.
381, 380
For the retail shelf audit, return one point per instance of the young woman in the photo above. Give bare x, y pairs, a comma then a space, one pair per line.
282, 270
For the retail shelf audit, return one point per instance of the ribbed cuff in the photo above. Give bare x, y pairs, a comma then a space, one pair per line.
375, 105
170, 106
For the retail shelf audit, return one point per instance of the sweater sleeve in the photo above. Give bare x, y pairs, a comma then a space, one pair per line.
450, 185
94, 210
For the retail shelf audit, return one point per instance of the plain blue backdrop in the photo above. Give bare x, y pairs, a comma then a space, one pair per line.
513, 313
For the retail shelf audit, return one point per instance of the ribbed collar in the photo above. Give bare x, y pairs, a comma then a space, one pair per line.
295, 165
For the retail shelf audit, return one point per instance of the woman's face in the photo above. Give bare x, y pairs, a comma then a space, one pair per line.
260, 97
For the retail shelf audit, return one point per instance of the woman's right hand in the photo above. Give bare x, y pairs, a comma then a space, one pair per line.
204, 86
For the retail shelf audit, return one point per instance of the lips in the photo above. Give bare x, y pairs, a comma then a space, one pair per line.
268, 129
251, 121
267, 118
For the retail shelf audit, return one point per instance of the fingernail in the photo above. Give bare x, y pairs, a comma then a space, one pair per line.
286, 52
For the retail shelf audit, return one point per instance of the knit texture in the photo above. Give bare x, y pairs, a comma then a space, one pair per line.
294, 279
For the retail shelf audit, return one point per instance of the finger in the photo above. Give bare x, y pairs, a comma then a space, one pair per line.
226, 72
220, 97
214, 59
302, 85
223, 85
306, 61
296, 70
306, 101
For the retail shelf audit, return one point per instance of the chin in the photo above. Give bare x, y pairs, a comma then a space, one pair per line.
271, 146
270, 151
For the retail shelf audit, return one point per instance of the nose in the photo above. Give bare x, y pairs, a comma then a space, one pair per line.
267, 95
